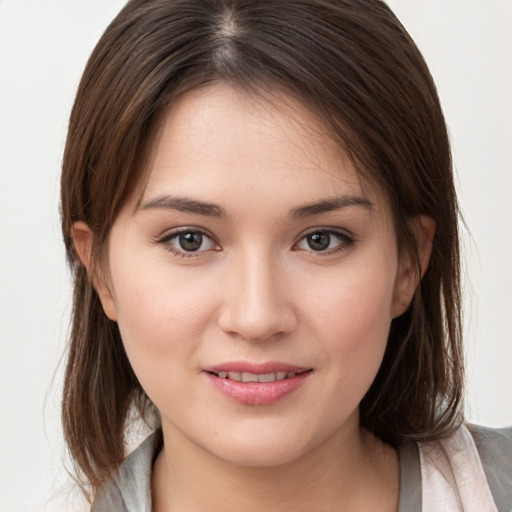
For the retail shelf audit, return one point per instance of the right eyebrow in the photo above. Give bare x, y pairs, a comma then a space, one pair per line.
183, 204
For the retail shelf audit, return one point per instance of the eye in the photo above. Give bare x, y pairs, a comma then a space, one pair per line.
186, 241
324, 240
192, 241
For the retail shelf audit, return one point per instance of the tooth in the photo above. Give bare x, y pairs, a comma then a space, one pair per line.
253, 377
267, 377
249, 377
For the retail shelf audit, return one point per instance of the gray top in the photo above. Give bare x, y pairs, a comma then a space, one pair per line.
130, 489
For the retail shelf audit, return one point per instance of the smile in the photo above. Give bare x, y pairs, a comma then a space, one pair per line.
255, 377
252, 384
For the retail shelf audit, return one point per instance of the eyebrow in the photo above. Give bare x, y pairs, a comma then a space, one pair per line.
329, 205
184, 204
187, 205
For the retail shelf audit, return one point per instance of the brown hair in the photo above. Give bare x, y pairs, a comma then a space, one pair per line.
353, 64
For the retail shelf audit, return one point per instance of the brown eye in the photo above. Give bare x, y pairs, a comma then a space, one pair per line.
325, 240
191, 241
319, 241
188, 241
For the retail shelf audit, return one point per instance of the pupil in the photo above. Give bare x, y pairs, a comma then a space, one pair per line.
190, 241
319, 241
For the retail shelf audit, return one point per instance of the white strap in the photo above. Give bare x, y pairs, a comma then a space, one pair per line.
452, 476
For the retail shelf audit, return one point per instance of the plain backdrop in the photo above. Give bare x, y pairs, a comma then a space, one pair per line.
43, 48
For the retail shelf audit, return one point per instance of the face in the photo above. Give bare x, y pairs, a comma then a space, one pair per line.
255, 284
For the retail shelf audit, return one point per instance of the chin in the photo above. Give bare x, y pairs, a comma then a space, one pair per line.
258, 456
264, 446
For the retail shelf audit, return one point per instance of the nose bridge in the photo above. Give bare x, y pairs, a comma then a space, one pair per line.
257, 306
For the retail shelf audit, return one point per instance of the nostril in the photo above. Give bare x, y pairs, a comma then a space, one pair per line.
255, 306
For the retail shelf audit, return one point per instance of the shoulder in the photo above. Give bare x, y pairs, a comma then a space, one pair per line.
495, 449
129, 490
469, 470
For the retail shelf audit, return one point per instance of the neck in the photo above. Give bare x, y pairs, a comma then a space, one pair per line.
352, 470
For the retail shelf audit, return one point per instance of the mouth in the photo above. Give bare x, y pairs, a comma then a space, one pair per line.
258, 377
257, 384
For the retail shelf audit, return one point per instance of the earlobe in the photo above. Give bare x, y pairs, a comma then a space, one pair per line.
83, 236
409, 275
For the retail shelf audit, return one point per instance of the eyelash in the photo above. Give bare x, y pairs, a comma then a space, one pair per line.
345, 242
167, 239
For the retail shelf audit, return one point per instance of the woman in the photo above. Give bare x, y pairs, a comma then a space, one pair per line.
258, 206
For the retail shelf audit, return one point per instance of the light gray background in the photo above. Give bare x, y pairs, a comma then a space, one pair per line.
43, 48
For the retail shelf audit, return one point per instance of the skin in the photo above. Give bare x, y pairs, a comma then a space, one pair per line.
257, 291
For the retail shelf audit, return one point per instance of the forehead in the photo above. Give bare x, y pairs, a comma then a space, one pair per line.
222, 142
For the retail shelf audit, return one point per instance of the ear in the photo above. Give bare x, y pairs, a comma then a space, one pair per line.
408, 278
83, 236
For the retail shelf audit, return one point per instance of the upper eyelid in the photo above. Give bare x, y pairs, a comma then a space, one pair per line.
326, 229
346, 239
181, 229
171, 233
165, 239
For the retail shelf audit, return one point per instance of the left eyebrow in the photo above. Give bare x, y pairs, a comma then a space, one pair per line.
329, 205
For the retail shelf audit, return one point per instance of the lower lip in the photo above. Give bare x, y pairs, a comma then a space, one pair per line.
257, 393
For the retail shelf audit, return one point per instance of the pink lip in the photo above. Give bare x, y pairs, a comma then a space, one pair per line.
259, 368
256, 393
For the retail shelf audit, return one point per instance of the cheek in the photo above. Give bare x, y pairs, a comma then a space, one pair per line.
351, 320
161, 327
161, 315
354, 302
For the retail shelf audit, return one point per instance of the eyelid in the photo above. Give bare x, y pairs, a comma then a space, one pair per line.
173, 233
346, 239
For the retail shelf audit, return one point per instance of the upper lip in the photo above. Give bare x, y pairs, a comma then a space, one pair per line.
256, 368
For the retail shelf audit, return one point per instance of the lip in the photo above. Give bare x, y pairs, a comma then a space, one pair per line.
259, 368
256, 393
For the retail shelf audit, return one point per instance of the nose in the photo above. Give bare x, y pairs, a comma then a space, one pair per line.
256, 306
